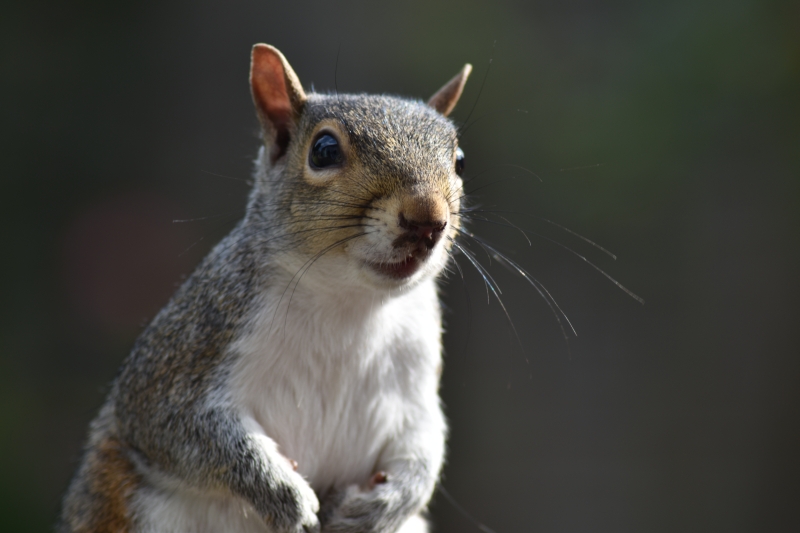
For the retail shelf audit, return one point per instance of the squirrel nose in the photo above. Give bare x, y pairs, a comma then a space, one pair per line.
422, 217
424, 233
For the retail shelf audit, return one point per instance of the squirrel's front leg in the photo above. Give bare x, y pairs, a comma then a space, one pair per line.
224, 450
383, 504
283, 497
392, 495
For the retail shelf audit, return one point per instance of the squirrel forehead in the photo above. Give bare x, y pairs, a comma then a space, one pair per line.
386, 126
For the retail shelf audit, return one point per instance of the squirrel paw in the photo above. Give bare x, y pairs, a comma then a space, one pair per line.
355, 510
295, 510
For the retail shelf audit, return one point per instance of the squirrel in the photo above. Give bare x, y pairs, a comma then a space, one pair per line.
291, 383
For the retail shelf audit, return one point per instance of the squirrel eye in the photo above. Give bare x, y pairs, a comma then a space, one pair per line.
459, 161
325, 152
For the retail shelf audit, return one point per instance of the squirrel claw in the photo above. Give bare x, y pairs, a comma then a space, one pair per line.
378, 478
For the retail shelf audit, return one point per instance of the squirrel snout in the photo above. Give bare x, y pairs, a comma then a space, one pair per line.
423, 220
415, 224
424, 233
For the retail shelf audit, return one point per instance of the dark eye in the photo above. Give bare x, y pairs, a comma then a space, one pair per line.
325, 152
459, 161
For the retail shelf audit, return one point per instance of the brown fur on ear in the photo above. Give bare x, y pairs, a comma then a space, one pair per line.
447, 97
277, 94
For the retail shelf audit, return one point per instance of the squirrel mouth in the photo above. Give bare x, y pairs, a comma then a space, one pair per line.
399, 270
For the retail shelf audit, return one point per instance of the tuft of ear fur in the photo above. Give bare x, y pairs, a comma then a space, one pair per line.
278, 96
447, 97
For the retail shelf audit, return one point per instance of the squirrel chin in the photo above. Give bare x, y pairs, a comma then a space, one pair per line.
400, 270
407, 272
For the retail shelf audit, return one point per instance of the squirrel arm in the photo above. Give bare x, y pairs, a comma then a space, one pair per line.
407, 473
215, 448
170, 403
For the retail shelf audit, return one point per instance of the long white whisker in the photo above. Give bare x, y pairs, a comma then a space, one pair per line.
535, 283
582, 257
486, 278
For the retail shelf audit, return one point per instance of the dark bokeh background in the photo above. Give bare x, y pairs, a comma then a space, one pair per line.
668, 132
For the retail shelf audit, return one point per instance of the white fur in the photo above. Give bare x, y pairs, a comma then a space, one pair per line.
183, 510
334, 378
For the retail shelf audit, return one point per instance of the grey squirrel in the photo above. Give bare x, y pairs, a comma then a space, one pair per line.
291, 384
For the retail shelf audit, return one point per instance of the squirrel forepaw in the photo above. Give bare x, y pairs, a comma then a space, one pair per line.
355, 510
309, 507
297, 510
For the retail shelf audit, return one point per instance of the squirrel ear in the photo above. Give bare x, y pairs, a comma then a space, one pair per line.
447, 97
277, 94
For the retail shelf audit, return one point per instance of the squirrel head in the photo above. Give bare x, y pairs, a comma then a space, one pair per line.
354, 190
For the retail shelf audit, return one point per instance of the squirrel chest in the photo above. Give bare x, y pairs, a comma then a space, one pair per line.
333, 377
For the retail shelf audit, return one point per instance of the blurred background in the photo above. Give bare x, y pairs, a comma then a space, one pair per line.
667, 132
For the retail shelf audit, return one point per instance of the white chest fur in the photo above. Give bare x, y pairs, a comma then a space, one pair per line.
333, 378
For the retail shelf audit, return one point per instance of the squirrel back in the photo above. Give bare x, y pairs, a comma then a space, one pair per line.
291, 384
